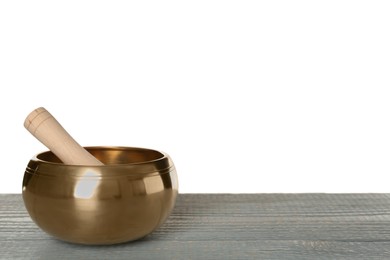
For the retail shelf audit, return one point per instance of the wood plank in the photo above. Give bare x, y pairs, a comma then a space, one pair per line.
228, 226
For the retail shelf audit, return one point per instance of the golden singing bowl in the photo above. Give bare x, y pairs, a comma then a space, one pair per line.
123, 200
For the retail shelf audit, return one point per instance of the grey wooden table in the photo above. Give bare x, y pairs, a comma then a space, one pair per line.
223, 226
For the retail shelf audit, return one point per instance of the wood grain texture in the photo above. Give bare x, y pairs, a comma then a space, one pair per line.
227, 226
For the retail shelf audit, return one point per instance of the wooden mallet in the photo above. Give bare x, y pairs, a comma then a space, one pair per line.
41, 124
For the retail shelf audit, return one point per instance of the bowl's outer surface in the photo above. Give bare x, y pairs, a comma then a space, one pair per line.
124, 200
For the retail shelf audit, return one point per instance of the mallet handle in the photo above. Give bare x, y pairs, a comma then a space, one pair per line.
41, 124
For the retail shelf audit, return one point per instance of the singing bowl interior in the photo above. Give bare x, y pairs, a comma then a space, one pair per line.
123, 200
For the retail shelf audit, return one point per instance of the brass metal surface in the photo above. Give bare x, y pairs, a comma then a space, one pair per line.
123, 200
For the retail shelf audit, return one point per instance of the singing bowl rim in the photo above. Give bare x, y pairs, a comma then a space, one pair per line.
159, 164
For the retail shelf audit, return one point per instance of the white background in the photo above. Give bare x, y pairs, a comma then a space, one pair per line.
246, 96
